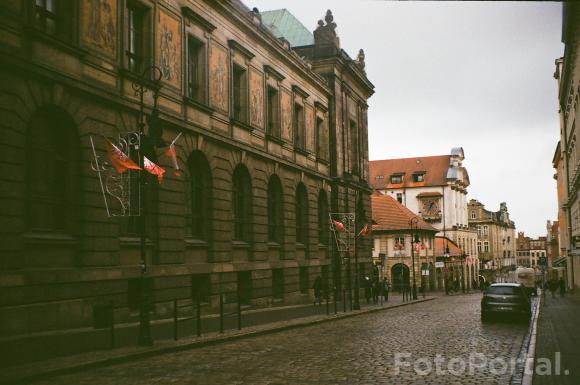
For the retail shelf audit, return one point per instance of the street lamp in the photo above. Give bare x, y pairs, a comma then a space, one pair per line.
414, 240
146, 84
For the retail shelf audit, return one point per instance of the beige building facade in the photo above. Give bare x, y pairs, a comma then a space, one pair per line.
496, 240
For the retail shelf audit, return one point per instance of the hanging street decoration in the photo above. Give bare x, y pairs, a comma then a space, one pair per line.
171, 153
154, 169
119, 159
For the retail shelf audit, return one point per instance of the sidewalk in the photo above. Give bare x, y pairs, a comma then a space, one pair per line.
557, 331
255, 322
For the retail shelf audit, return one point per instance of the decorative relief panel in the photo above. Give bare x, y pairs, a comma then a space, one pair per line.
286, 115
99, 26
169, 48
218, 78
256, 98
309, 123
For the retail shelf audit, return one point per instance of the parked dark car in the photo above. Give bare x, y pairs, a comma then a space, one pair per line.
506, 299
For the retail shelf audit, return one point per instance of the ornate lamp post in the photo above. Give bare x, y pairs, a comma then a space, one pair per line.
414, 240
145, 144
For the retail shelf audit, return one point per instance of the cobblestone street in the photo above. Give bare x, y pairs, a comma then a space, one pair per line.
359, 350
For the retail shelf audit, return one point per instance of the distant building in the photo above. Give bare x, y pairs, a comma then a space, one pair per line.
566, 159
552, 242
433, 187
394, 229
529, 251
496, 244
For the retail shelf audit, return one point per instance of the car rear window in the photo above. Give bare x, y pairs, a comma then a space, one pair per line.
505, 290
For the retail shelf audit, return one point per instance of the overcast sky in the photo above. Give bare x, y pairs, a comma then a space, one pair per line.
460, 74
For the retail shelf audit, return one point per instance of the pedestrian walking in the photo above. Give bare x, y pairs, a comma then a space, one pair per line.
562, 285
317, 290
386, 289
553, 286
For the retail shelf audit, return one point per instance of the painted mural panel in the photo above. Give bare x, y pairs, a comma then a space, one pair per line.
256, 98
218, 78
286, 115
99, 29
169, 48
309, 116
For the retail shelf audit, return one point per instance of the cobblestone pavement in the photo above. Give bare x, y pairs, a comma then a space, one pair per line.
361, 350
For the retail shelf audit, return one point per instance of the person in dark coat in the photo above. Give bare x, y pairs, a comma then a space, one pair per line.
385, 289
562, 285
317, 290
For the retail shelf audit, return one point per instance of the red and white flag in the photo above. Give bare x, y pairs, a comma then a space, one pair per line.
172, 154
119, 159
364, 231
153, 169
338, 226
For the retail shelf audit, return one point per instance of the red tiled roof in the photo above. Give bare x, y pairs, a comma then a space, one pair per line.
435, 168
390, 215
442, 242
429, 194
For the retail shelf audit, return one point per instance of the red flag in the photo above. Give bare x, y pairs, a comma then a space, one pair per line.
153, 169
338, 226
364, 231
119, 159
170, 152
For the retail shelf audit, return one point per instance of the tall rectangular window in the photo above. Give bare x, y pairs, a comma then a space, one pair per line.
321, 139
486, 247
201, 287
273, 115
299, 128
196, 69
240, 93
137, 37
278, 283
400, 198
46, 16
353, 143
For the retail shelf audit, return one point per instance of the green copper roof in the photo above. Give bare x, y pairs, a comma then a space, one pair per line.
283, 24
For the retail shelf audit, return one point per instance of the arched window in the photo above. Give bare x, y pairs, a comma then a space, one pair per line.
275, 219
52, 161
322, 218
301, 215
200, 185
242, 201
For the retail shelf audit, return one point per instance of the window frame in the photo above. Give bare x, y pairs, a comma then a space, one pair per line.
301, 216
242, 204
137, 53
199, 46
239, 93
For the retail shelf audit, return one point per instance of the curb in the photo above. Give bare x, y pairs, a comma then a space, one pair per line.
529, 372
213, 340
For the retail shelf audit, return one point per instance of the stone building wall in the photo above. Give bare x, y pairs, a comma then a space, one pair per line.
52, 281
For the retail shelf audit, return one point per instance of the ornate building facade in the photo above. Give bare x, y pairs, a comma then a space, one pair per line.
273, 138
435, 188
567, 154
496, 240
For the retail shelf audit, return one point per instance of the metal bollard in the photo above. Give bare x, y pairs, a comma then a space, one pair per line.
175, 320
221, 313
334, 298
198, 315
112, 331
239, 314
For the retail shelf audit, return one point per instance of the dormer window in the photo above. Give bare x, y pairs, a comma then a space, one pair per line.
419, 177
397, 178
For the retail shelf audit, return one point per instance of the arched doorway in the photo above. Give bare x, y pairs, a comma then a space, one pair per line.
399, 276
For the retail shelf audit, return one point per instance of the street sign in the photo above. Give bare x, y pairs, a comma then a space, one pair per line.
542, 261
439, 264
